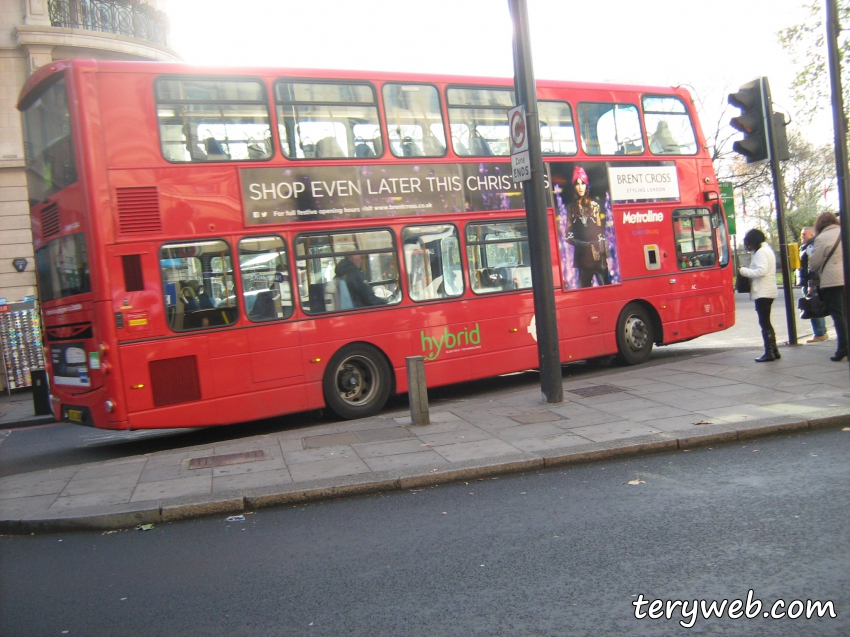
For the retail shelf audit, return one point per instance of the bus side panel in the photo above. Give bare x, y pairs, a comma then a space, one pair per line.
131, 130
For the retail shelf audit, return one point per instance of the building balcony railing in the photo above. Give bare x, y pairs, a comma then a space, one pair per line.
121, 17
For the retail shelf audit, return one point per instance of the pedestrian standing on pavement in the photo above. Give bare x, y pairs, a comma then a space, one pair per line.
807, 238
826, 249
762, 272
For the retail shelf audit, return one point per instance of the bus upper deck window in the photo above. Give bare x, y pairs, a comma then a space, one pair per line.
557, 131
669, 126
327, 120
478, 119
610, 129
414, 121
203, 120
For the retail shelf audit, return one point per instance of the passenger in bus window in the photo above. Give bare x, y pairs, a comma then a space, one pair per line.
350, 270
661, 142
586, 233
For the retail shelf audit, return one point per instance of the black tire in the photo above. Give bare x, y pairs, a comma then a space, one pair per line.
635, 335
357, 382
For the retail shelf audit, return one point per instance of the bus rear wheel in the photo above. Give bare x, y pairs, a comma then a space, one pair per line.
357, 382
634, 335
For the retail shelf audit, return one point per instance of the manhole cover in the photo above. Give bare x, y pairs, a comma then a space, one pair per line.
228, 458
596, 390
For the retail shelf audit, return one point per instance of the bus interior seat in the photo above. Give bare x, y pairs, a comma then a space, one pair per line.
409, 148
460, 149
263, 308
432, 145
214, 149
361, 149
317, 298
478, 145
378, 145
345, 302
328, 147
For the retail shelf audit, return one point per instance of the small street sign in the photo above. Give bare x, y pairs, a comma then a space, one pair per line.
520, 159
727, 195
20, 264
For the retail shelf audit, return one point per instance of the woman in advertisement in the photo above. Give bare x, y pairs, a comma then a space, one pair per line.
586, 233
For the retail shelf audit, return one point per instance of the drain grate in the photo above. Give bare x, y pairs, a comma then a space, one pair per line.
228, 458
596, 390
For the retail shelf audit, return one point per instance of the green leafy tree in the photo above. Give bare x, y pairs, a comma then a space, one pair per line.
806, 176
807, 44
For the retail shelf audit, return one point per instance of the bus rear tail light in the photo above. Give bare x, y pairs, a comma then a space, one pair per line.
711, 195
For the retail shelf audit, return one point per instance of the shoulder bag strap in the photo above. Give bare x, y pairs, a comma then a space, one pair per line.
829, 256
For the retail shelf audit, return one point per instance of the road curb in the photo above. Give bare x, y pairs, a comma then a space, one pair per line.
191, 507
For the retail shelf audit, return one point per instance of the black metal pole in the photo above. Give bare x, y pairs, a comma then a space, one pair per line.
779, 196
839, 124
536, 200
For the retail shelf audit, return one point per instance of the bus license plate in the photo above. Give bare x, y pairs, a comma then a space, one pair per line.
75, 415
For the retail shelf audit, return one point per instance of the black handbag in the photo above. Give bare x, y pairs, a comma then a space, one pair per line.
812, 306
743, 284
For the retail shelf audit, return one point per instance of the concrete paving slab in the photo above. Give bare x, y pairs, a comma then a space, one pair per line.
99, 499
332, 468
613, 431
390, 448
405, 460
194, 485
241, 481
475, 450
380, 435
549, 442
321, 454
331, 440
20, 507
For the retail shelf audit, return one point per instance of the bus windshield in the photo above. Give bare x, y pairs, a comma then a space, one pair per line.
48, 144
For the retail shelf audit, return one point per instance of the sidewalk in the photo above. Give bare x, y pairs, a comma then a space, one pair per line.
669, 406
18, 410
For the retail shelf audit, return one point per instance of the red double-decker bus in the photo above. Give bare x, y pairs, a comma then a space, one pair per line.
218, 245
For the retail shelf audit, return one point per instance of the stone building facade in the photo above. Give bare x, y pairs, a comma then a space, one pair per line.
34, 33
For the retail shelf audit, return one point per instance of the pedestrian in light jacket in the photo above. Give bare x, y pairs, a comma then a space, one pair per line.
762, 272
827, 236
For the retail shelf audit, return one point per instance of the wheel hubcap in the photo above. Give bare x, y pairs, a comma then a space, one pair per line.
357, 380
636, 333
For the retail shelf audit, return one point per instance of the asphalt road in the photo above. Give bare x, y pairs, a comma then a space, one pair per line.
561, 552
59, 445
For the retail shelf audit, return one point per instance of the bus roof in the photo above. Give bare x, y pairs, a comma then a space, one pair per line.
119, 66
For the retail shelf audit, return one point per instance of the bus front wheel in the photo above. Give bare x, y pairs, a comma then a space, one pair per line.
357, 382
634, 335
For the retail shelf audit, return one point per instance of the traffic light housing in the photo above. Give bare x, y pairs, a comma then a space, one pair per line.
754, 101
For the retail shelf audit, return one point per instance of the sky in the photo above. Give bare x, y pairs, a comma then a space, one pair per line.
711, 47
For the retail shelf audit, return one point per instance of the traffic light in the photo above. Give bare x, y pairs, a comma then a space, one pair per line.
754, 101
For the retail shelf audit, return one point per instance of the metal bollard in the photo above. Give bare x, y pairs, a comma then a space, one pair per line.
417, 391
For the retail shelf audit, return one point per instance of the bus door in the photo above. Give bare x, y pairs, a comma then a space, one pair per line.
267, 296
696, 296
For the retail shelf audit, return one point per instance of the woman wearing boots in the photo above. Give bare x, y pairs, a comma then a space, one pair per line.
825, 255
762, 271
